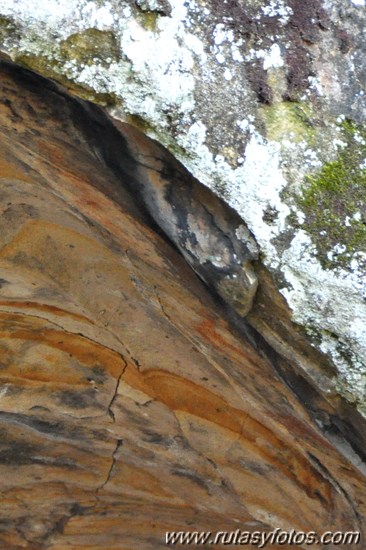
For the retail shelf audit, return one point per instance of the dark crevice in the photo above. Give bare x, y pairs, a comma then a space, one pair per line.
162, 307
328, 476
119, 443
135, 361
115, 395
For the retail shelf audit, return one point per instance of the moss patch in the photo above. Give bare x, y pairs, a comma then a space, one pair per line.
334, 200
148, 20
51, 68
91, 46
289, 120
8, 28
138, 122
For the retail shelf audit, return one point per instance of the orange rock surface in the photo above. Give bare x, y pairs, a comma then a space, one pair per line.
130, 404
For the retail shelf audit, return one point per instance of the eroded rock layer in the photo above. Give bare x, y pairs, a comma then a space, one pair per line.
263, 102
130, 403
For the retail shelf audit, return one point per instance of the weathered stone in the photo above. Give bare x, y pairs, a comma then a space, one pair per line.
159, 6
261, 101
130, 403
210, 235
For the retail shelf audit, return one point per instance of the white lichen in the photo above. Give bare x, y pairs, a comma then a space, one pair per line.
155, 74
330, 303
278, 8
272, 58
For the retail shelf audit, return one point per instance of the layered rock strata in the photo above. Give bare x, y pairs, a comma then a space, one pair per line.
132, 402
263, 102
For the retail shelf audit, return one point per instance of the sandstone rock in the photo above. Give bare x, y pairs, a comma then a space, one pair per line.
263, 103
131, 403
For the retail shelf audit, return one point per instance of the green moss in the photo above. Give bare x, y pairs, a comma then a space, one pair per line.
51, 68
334, 199
149, 20
40, 64
5, 22
84, 49
91, 46
7, 28
289, 120
138, 122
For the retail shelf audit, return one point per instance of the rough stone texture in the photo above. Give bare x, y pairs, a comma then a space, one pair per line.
131, 403
209, 234
263, 102
162, 7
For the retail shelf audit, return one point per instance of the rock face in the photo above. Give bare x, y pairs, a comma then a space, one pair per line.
132, 403
209, 234
262, 101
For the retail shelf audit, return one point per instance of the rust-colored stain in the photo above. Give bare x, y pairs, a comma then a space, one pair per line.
46, 308
52, 152
86, 351
181, 394
300, 429
141, 480
207, 329
11, 171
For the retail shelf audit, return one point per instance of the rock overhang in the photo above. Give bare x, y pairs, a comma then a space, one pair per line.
248, 96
